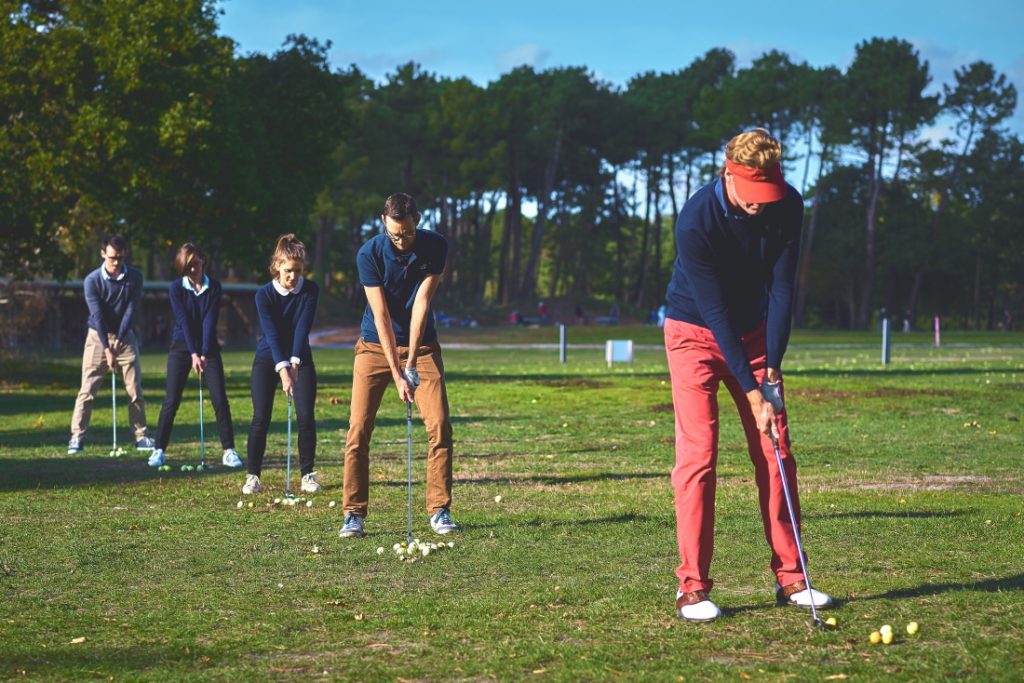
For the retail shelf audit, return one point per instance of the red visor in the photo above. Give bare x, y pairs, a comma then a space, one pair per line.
757, 185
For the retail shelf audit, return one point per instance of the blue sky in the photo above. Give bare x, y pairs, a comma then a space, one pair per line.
483, 39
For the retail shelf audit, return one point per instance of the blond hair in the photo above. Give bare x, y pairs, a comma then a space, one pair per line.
288, 248
755, 148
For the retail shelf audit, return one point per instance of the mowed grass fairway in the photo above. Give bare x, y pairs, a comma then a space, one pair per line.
910, 477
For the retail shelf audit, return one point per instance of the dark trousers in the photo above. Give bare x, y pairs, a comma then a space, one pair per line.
179, 365
265, 384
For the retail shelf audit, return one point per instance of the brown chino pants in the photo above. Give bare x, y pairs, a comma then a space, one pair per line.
95, 373
371, 375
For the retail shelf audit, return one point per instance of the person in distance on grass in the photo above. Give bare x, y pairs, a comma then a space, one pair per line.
729, 304
286, 307
400, 270
195, 302
113, 293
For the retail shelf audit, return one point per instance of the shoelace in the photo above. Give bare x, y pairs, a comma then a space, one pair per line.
444, 518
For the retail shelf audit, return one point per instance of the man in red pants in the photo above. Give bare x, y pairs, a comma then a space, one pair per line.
728, 313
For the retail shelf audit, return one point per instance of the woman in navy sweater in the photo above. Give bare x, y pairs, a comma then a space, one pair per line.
195, 301
286, 306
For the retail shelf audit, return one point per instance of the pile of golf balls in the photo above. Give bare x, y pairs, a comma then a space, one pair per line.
293, 502
886, 636
164, 468
187, 468
415, 551
117, 452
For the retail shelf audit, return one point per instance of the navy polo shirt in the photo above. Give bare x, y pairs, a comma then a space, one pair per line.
400, 276
734, 273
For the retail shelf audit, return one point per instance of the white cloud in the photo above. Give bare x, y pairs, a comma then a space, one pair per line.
530, 54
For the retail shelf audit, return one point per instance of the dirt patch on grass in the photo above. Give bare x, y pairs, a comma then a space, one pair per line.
883, 392
579, 383
662, 408
931, 482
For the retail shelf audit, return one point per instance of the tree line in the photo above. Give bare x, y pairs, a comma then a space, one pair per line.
141, 118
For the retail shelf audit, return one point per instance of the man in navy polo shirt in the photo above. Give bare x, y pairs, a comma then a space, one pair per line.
113, 293
400, 270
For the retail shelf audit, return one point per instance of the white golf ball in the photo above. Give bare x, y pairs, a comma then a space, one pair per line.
497, 499
451, 544
396, 547
425, 550
885, 629
277, 501
410, 550
309, 503
331, 504
250, 503
316, 549
240, 505
380, 550
280, 585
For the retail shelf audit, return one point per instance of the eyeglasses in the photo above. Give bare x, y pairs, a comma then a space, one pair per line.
400, 236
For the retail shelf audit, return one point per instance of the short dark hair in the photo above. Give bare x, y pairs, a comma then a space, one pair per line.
399, 206
116, 241
187, 253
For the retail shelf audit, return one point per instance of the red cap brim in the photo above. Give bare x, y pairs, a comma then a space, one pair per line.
757, 185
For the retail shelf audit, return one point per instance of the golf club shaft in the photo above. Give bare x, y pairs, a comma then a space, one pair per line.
288, 468
408, 423
202, 433
796, 526
113, 408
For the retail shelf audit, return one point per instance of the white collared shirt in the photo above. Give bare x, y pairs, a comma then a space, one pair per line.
187, 284
285, 292
295, 360
120, 276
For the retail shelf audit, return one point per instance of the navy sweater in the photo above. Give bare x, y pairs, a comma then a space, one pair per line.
112, 303
734, 273
195, 317
285, 322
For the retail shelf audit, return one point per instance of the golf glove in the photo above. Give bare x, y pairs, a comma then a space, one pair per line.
412, 376
772, 392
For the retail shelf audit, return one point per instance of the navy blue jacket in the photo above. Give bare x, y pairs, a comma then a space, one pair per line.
285, 322
195, 317
400, 276
112, 303
735, 272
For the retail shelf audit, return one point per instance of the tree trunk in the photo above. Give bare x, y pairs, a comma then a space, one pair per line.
867, 287
529, 286
641, 276
324, 228
515, 209
976, 303
803, 275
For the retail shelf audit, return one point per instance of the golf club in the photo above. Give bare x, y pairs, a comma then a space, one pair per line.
113, 411
796, 530
202, 433
412, 376
288, 467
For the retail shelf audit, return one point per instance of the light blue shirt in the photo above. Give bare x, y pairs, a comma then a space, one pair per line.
187, 284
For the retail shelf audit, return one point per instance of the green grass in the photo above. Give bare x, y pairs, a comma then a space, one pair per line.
911, 513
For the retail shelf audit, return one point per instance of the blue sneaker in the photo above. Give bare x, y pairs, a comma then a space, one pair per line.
442, 522
145, 444
157, 458
76, 446
353, 526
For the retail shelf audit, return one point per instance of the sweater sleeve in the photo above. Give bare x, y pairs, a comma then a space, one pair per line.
94, 300
211, 312
176, 294
781, 290
304, 323
134, 280
264, 305
698, 264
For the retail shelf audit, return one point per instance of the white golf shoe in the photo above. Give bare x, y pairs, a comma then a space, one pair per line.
310, 484
231, 458
252, 484
156, 459
799, 595
696, 606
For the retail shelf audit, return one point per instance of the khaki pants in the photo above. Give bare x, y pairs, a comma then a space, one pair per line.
371, 375
95, 372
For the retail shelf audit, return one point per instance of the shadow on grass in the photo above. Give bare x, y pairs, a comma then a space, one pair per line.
546, 480
51, 473
871, 514
1007, 583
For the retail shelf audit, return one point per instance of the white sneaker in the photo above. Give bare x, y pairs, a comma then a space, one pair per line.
156, 459
252, 484
696, 606
442, 522
309, 483
799, 595
76, 446
353, 526
231, 458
